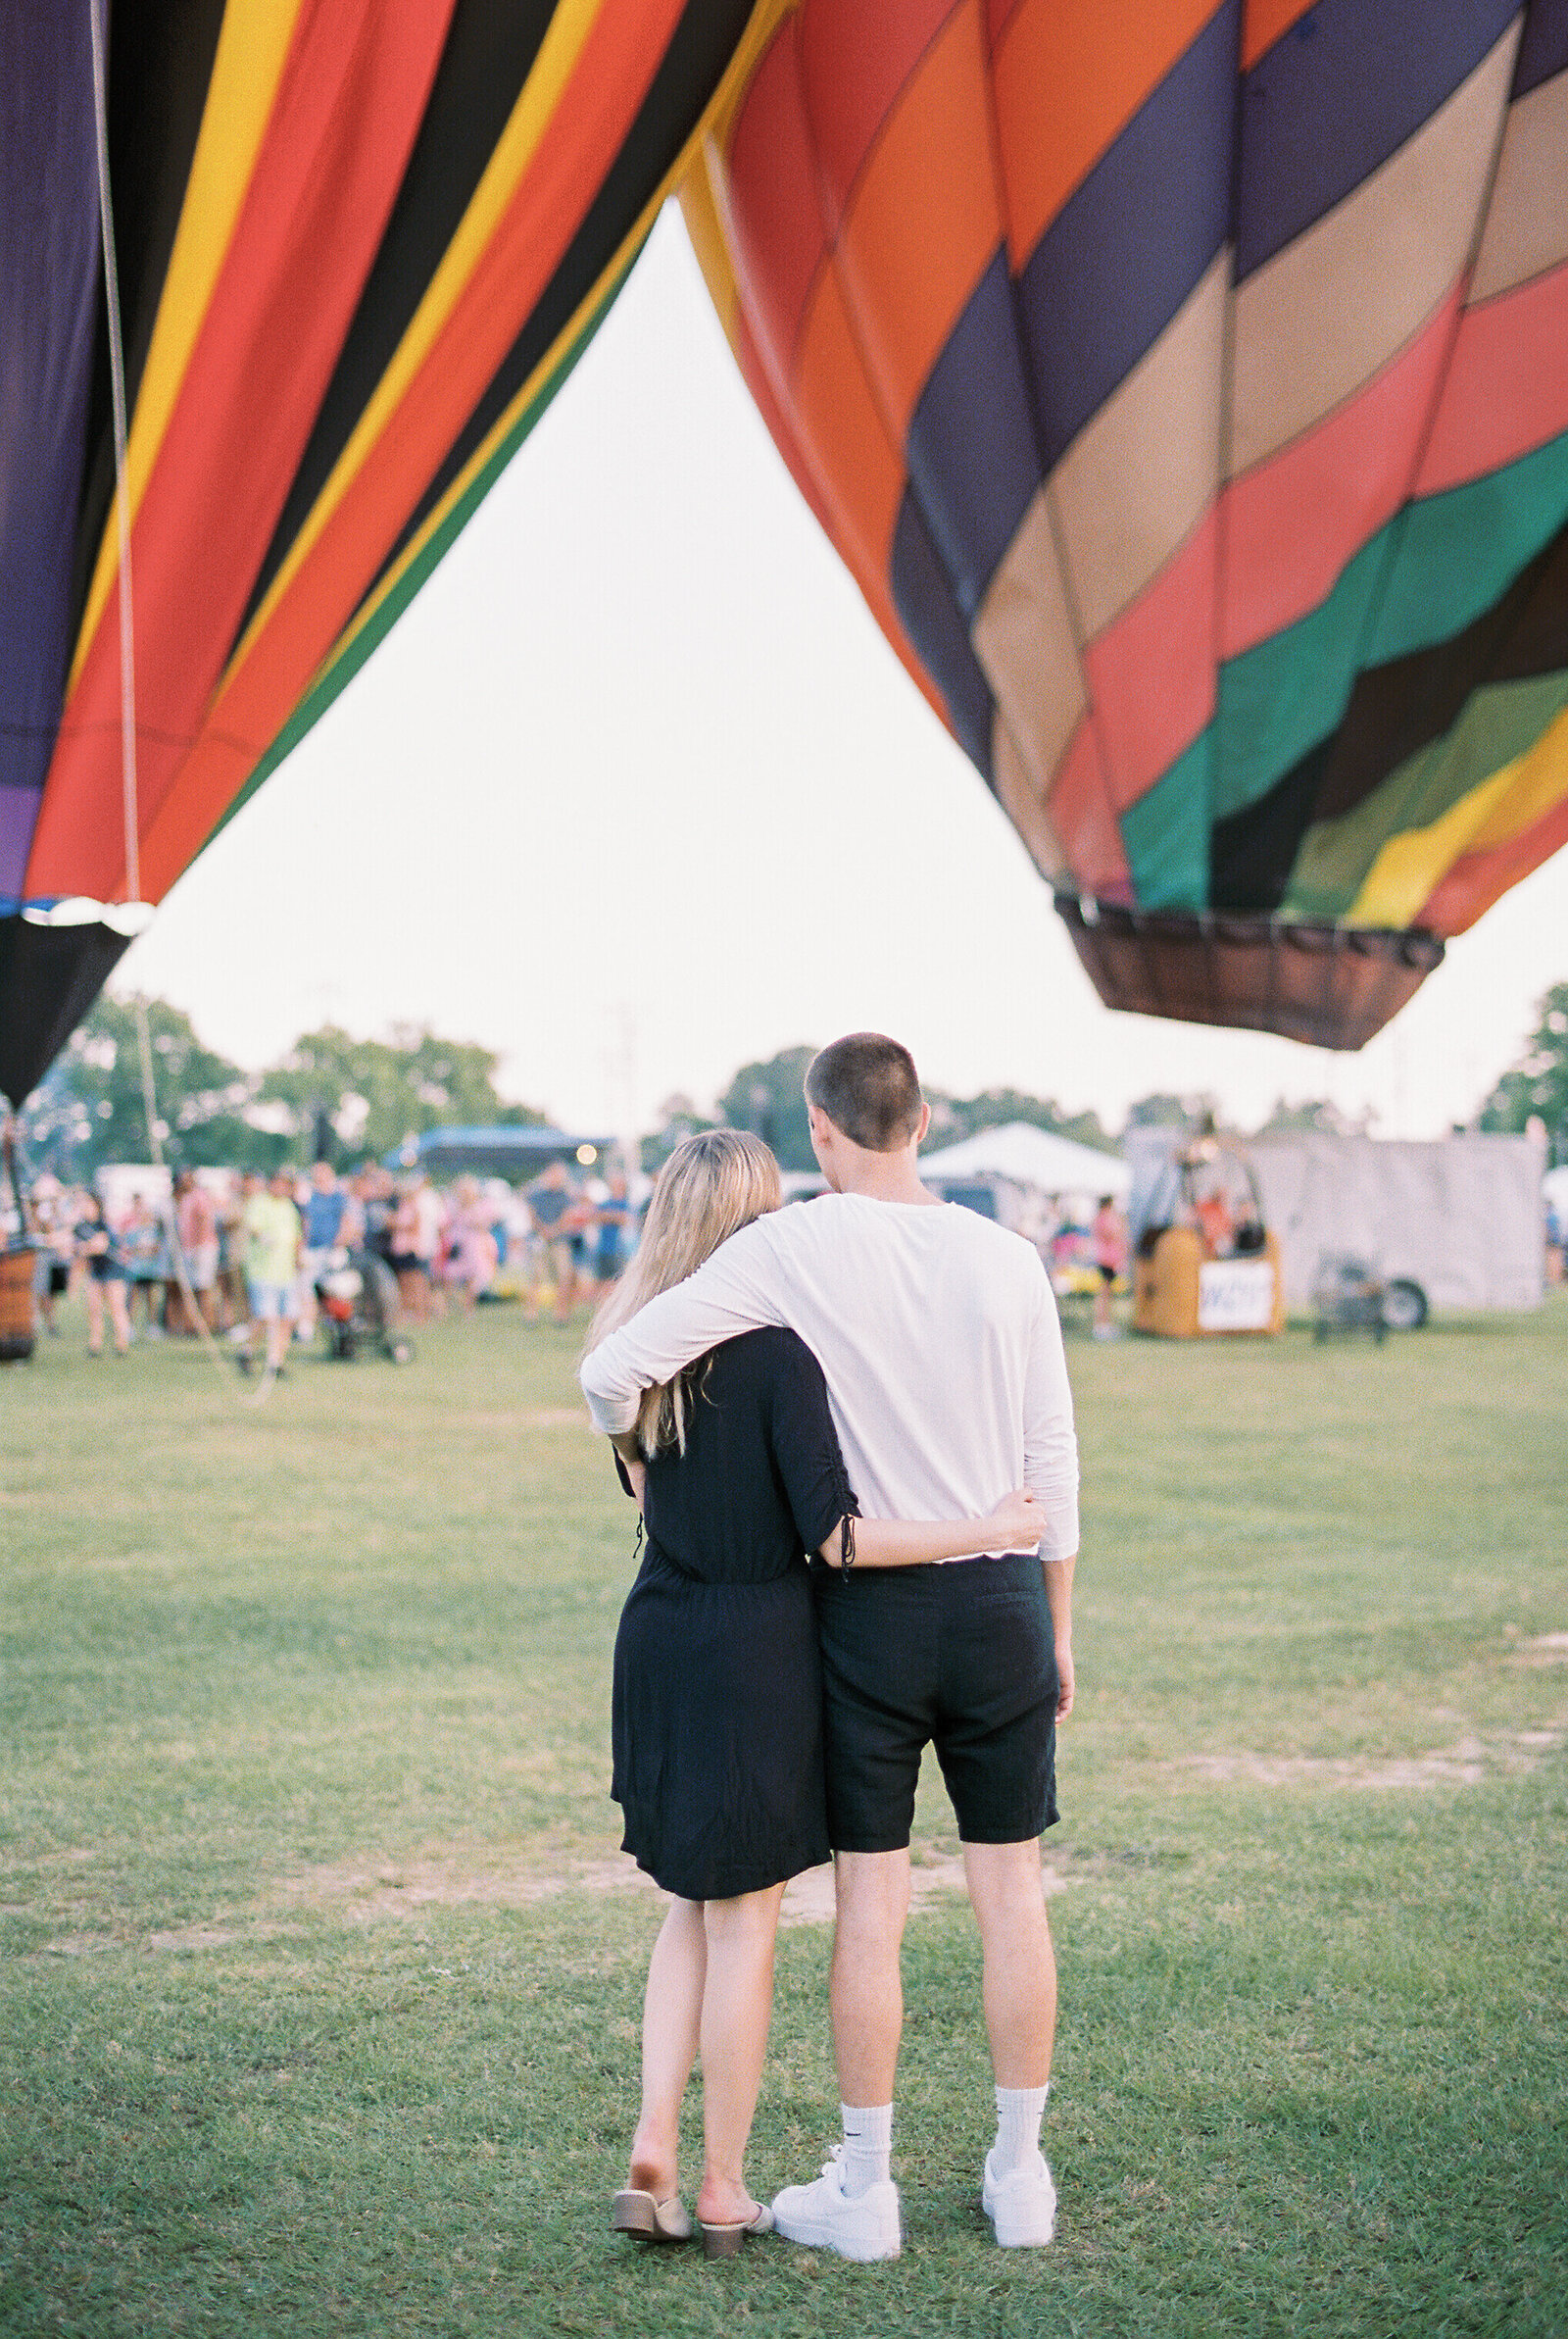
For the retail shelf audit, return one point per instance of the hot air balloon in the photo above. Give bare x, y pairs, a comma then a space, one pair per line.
360, 245
1185, 385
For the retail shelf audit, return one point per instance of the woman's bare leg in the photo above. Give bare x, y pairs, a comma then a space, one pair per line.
95, 1317
737, 2008
119, 1314
671, 2014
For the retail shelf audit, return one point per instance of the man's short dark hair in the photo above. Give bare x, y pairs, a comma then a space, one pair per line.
869, 1087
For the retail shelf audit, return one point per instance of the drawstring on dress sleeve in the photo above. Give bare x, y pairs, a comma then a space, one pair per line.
846, 1544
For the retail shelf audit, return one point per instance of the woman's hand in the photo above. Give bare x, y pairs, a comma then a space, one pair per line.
1018, 1522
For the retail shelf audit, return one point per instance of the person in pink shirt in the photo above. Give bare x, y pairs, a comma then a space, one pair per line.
1109, 1236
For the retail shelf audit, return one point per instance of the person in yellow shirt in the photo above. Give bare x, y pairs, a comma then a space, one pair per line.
274, 1240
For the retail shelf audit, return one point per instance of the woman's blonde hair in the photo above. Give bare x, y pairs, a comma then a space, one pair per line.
712, 1186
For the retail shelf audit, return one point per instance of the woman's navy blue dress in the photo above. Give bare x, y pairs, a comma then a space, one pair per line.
718, 1714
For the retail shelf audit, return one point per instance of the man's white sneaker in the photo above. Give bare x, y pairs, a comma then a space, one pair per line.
824, 2217
1022, 2205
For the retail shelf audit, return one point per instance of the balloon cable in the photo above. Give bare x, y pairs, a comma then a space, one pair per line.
128, 683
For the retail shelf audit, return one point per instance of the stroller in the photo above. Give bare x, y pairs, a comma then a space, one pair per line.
357, 1296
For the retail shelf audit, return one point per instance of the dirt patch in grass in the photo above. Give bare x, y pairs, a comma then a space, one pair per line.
366, 1892
1468, 1762
1546, 1648
537, 1417
369, 1891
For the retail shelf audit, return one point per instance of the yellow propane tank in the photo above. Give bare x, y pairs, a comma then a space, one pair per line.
1178, 1295
1165, 1289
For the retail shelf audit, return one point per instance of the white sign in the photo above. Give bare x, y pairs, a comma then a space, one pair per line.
1236, 1295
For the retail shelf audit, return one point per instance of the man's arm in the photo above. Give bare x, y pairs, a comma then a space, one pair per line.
1058, 1597
1050, 1472
735, 1291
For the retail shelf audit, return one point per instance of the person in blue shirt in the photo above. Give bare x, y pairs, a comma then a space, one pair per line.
615, 1220
322, 1215
97, 1246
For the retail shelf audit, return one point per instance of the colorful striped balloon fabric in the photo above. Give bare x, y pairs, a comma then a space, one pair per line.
1186, 388
360, 244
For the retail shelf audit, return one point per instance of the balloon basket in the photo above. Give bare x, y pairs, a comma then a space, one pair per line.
16, 1303
1332, 987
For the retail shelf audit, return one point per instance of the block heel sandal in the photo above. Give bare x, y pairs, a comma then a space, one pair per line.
649, 2221
726, 2241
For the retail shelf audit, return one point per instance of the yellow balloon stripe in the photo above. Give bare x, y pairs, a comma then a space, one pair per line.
530, 119
1411, 866
700, 214
253, 47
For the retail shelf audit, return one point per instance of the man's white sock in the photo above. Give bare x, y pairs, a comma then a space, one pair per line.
1019, 2112
868, 2146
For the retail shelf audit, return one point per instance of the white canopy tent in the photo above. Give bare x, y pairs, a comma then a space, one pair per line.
1030, 1156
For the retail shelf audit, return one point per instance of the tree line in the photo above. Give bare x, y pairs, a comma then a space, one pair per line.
344, 1098
331, 1096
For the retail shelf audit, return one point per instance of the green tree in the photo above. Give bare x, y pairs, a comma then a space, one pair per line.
373, 1092
954, 1117
678, 1118
770, 1099
90, 1109
1314, 1115
1537, 1086
1164, 1111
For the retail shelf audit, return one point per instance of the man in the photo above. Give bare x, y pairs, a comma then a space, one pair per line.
614, 1218
555, 1204
274, 1242
325, 1208
939, 1338
196, 1224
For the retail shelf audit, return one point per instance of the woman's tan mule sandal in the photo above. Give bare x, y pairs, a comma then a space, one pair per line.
649, 2221
725, 2241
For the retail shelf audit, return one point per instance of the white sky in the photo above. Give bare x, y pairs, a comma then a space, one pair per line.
636, 793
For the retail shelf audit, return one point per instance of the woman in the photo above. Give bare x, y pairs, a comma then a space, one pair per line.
717, 1721
1108, 1236
98, 1247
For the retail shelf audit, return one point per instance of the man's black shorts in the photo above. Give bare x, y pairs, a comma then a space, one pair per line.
962, 1656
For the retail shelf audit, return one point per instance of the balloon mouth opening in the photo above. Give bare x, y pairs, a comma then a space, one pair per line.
125, 918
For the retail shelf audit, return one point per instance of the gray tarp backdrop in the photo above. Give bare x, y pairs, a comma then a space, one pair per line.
1462, 1217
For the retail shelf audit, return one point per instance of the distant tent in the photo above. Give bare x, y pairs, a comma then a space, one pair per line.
1030, 1156
501, 1152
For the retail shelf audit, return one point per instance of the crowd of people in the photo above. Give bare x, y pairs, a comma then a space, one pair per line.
254, 1249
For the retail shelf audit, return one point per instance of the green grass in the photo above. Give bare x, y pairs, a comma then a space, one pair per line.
319, 2005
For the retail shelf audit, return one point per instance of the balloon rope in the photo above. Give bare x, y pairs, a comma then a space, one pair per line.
127, 681
117, 392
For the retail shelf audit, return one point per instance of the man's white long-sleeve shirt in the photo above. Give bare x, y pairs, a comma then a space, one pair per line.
937, 1332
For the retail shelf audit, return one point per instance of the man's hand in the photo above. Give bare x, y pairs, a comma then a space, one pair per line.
1058, 1597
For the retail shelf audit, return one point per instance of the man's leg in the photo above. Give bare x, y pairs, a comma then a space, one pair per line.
852, 2207
1020, 2009
866, 1990
280, 1331
1020, 1969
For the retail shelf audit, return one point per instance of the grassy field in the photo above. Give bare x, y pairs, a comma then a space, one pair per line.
322, 1971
